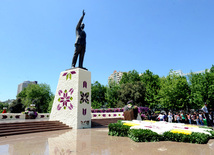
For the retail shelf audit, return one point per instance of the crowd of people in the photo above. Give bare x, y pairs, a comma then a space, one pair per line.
201, 117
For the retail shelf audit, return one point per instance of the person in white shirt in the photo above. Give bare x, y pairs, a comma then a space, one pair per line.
161, 117
170, 117
205, 109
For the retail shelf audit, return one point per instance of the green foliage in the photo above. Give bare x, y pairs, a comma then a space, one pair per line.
152, 85
97, 95
144, 135
212, 134
174, 92
38, 94
198, 138
50, 104
111, 95
16, 106
132, 91
2, 104
118, 129
130, 77
202, 89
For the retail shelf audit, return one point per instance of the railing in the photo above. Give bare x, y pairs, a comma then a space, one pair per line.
107, 115
20, 116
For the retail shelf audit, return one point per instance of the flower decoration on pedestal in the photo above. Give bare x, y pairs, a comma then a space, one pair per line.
65, 99
84, 111
84, 97
84, 84
68, 74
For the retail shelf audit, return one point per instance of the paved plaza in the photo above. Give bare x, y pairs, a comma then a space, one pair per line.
94, 141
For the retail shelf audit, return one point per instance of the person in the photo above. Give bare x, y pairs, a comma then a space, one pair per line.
80, 43
161, 117
197, 118
182, 117
211, 118
170, 117
189, 118
201, 121
4, 111
205, 109
178, 118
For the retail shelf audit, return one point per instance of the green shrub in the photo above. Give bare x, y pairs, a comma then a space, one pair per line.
205, 127
118, 129
144, 135
198, 138
212, 134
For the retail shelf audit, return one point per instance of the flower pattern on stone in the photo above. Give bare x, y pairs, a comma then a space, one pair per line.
84, 97
65, 99
86, 122
69, 74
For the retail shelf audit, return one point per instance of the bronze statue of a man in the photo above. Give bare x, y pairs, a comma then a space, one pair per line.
80, 43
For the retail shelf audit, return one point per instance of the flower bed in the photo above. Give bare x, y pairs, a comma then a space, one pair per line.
150, 131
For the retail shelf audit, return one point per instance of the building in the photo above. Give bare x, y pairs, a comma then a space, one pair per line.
179, 72
21, 86
116, 77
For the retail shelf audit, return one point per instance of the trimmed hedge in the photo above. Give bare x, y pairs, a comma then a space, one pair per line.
118, 129
198, 138
146, 135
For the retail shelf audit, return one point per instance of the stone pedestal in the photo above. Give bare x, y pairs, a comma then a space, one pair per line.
72, 103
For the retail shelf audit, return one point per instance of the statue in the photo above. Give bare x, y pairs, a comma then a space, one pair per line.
80, 43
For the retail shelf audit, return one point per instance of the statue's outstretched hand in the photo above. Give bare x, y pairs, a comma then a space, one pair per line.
83, 13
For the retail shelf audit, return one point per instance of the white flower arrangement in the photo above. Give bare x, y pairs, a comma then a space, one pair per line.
161, 127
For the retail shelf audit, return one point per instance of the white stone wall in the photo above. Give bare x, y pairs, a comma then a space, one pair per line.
72, 103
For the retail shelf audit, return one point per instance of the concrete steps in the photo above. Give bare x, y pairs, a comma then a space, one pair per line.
7, 129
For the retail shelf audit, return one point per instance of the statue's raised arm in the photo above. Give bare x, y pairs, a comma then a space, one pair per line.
80, 21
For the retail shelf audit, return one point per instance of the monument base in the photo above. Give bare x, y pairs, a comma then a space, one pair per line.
72, 103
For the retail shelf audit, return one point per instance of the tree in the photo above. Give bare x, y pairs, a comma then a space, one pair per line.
16, 106
38, 94
132, 91
152, 84
130, 77
174, 92
50, 104
97, 95
111, 94
202, 89
3, 104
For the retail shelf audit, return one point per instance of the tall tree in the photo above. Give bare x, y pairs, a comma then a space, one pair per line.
202, 89
16, 106
38, 94
130, 77
111, 94
174, 92
152, 84
97, 95
132, 91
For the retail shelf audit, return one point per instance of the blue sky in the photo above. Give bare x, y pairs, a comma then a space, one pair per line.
37, 38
